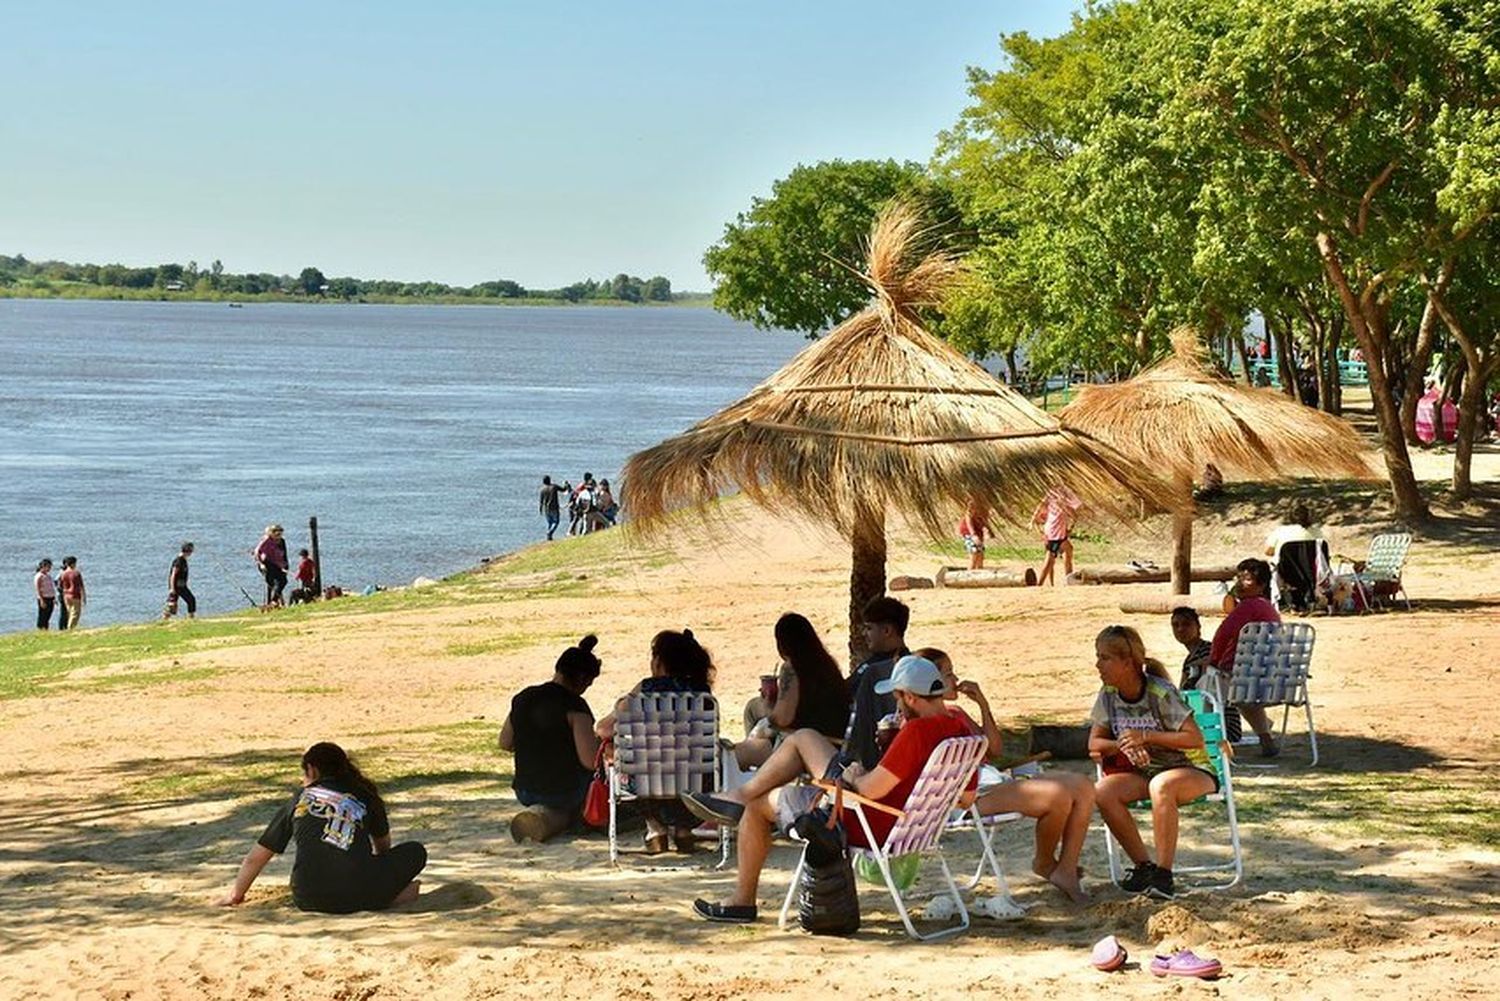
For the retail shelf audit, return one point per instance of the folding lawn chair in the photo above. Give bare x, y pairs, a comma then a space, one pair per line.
1380, 577
666, 744
1209, 715
918, 829
985, 827
1271, 667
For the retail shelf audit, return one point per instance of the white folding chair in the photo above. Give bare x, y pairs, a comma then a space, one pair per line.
1272, 662
1381, 576
919, 827
1209, 715
666, 744
985, 828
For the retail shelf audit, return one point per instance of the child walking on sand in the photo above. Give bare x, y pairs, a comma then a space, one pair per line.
1148, 746
1055, 516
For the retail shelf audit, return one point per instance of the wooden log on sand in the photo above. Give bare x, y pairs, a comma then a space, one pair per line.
904, 582
964, 577
1162, 604
1139, 575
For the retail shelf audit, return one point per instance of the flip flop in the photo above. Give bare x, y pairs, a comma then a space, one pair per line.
714, 808
729, 914
1109, 955
1185, 964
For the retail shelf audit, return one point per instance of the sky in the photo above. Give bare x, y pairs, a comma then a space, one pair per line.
457, 142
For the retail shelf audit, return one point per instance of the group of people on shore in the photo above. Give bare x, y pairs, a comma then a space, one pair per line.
591, 505
64, 594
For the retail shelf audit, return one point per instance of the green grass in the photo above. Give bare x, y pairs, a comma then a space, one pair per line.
504, 643
34, 663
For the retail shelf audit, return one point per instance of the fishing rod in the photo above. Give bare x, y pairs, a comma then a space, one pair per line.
230, 577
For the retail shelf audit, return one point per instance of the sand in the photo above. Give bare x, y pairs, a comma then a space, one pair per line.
126, 807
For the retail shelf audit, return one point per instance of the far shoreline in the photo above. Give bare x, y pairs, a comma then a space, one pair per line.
701, 300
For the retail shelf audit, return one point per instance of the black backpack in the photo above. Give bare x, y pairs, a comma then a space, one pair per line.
827, 895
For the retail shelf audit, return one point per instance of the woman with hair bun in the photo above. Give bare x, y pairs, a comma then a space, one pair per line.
551, 731
679, 663
345, 861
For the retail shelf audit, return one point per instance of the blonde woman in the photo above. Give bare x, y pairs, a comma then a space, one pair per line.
1148, 747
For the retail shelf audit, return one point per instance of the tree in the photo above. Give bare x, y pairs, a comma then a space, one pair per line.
344, 288
791, 260
658, 289
311, 281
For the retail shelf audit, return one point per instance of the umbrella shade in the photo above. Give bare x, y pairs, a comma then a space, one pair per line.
882, 417
1181, 414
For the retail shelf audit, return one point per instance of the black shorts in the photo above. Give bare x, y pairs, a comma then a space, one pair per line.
379, 879
1054, 546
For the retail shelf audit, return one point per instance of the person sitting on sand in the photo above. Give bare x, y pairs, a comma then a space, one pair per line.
1147, 744
812, 695
550, 729
678, 664
1061, 802
1055, 515
345, 861
918, 688
885, 625
1252, 583
1213, 484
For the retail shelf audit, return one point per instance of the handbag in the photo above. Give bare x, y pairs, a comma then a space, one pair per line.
596, 800
827, 895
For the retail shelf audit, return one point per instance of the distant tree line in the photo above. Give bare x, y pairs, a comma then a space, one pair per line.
214, 282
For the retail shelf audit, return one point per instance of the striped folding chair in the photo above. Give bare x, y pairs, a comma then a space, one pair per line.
918, 829
666, 744
1272, 662
1209, 715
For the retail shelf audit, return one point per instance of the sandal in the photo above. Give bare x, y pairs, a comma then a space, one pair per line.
684, 840
1109, 955
656, 843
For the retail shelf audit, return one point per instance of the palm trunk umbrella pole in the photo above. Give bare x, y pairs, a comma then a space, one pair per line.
1182, 413
880, 419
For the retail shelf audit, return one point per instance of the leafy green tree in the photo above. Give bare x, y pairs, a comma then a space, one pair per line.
344, 288
311, 281
791, 261
658, 289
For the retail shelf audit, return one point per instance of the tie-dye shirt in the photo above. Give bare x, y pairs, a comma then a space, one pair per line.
1160, 709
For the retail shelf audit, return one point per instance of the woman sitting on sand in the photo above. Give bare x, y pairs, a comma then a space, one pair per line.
551, 730
678, 664
345, 861
1148, 746
814, 695
1061, 802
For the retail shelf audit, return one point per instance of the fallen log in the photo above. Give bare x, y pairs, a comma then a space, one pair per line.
1162, 604
1139, 575
904, 582
964, 577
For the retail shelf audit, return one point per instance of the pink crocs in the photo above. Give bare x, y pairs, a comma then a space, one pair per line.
1185, 964
1109, 955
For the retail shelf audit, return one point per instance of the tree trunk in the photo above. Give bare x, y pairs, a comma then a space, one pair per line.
1238, 340
1416, 371
1363, 314
867, 578
1182, 537
1285, 356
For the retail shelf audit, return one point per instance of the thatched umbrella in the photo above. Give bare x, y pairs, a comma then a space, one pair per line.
1183, 413
882, 417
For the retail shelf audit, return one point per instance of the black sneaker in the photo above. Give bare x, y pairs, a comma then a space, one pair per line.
1140, 877
1161, 884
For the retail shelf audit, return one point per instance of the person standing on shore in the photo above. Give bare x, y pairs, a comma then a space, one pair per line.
177, 585
46, 594
1055, 517
73, 595
973, 529
270, 558
550, 507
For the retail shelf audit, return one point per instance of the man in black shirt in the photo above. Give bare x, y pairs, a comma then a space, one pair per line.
885, 638
550, 507
177, 585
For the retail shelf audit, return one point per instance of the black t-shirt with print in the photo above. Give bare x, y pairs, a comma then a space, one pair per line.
332, 827
546, 757
179, 571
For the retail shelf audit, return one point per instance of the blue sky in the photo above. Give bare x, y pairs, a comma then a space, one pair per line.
456, 141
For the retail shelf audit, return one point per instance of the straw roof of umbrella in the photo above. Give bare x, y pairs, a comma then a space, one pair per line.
1183, 413
881, 416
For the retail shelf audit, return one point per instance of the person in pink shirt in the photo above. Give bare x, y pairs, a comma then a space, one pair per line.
1055, 516
271, 560
1252, 582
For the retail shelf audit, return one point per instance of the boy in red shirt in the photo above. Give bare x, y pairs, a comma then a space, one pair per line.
918, 687
307, 572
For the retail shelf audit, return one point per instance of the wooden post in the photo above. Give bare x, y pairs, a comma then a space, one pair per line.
312, 529
866, 578
1182, 537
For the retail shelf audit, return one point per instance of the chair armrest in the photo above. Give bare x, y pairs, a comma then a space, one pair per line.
828, 787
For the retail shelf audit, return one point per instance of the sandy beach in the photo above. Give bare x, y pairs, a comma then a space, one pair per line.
135, 782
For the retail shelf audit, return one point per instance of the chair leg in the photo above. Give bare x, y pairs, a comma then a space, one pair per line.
1312, 732
1113, 851
988, 856
614, 842
791, 891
